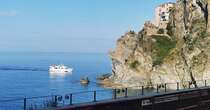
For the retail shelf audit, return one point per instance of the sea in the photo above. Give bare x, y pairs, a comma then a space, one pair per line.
25, 74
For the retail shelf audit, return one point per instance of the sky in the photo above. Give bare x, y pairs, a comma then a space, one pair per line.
91, 26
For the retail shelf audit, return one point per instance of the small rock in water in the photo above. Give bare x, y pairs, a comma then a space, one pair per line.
84, 80
104, 76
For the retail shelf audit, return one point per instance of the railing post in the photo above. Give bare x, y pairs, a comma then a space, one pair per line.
142, 90
177, 86
157, 88
94, 96
205, 83
115, 94
126, 92
165, 87
24, 106
70, 99
56, 100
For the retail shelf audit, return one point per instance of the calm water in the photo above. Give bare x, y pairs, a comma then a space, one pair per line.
26, 74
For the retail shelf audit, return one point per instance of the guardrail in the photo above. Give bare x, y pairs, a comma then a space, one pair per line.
53, 101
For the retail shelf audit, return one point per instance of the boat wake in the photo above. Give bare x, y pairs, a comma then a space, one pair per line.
16, 68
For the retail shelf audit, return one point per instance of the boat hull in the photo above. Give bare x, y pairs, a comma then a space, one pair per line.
60, 70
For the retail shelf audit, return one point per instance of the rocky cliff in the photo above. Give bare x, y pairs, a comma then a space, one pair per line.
178, 53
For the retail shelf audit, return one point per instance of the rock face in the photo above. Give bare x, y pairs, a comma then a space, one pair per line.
178, 53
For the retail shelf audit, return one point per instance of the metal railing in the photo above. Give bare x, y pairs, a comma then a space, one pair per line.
53, 101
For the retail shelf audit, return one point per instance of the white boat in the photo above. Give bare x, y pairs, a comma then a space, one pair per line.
60, 69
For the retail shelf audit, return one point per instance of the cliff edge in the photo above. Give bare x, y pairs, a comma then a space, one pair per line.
175, 50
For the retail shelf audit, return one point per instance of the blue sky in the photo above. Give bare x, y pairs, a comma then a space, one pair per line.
70, 25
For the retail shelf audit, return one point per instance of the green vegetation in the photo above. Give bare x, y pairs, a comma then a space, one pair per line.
160, 31
161, 48
131, 32
169, 29
199, 25
203, 34
134, 64
195, 60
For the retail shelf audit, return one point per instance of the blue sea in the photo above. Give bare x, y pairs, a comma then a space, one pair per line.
26, 74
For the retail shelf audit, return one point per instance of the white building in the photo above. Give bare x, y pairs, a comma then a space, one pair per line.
162, 13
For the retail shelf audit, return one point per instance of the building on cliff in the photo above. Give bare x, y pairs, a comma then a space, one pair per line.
162, 13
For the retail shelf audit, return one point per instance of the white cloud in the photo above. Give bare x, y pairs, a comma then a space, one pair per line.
8, 13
